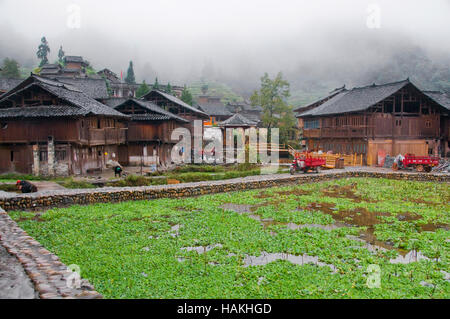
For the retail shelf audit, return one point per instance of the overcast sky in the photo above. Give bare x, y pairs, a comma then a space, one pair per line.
183, 40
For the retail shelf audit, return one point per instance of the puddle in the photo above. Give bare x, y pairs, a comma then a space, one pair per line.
267, 258
293, 226
202, 249
404, 257
37, 218
343, 192
410, 257
175, 230
359, 217
238, 208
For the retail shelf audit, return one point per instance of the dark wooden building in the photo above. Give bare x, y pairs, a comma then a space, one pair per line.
149, 133
213, 106
48, 127
395, 118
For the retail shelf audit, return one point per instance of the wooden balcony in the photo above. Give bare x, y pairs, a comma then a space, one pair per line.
107, 136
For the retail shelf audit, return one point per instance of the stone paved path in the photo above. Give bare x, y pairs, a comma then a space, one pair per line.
14, 282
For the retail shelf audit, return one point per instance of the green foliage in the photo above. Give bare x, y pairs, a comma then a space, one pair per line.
156, 84
10, 69
217, 89
169, 89
61, 55
186, 96
8, 188
142, 90
43, 51
272, 97
130, 78
128, 250
74, 184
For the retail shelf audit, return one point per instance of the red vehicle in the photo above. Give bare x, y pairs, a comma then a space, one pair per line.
305, 163
419, 163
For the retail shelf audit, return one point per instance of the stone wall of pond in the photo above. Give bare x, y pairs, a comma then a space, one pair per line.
63, 198
49, 277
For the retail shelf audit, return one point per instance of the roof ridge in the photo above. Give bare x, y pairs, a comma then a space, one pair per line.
380, 85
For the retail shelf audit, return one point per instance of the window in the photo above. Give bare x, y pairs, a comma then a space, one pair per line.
60, 155
411, 107
12, 156
311, 124
428, 124
388, 107
398, 122
99, 124
43, 156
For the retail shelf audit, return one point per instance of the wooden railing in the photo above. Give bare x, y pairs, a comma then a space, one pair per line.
107, 136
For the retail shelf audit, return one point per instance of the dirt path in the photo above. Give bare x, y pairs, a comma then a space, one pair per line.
14, 283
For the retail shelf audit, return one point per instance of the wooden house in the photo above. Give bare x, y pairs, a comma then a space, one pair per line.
149, 133
48, 127
393, 118
213, 106
176, 106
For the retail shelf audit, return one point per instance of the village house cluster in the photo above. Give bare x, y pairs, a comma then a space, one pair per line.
66, 122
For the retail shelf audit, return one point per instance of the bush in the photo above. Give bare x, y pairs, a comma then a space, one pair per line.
15, 176
136, 180
200, 169
73, 184
8, 187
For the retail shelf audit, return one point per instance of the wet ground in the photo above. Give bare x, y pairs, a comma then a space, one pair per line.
359, 217
14, 283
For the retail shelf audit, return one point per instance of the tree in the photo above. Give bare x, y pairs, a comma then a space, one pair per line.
130, 79
186, 96
43, 51
142, 90
10, 69
169, 88
156, 85
61, 55
272, 97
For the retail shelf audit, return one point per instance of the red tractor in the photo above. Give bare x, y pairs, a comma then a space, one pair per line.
419, 163
305, 163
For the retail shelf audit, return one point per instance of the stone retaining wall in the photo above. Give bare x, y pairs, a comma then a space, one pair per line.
47, 273
65, 198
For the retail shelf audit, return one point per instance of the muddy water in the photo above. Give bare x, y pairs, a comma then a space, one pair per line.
359, 217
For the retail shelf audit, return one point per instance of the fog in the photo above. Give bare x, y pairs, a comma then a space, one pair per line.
316, 44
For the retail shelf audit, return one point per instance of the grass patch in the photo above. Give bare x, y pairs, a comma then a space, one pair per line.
128, 250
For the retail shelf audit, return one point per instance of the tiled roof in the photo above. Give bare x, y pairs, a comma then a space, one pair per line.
237, 120
78, 102
152, 109
8, 84
439, 97
94, 88
177, 101
357, 99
